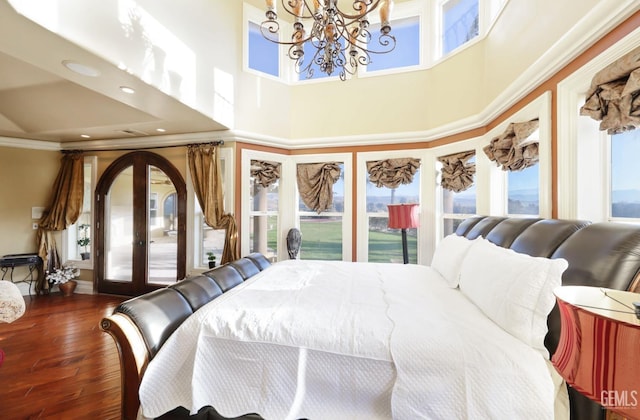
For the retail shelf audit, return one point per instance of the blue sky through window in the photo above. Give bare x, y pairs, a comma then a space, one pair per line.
625, 181
263, 54
460, 23
407, 50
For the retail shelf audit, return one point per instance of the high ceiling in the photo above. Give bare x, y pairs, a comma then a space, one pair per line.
41, 99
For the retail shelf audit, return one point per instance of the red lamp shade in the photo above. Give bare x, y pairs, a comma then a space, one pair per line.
403, 216
599, 344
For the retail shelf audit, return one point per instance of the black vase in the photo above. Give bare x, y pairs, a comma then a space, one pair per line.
212, 264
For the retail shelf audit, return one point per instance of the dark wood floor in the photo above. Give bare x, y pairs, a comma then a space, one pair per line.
59, 363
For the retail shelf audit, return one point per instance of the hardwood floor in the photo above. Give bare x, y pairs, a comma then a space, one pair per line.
59, 364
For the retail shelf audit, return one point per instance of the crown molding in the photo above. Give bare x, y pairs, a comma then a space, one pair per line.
19, 143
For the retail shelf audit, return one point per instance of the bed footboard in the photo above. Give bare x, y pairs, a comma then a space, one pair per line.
141, 325
134, 358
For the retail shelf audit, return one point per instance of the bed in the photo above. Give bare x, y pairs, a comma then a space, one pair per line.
310, 339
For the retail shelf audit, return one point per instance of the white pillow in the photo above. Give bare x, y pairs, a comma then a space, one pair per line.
447, 259
514, 290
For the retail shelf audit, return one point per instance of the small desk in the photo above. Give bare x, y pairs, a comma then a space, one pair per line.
11, 261
599, 343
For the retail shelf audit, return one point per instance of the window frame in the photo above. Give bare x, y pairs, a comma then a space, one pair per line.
583, 180
256, 16
439, 18
194, 218
347, 212
430, 51
422, 244
68, 237
404, 11
247, 211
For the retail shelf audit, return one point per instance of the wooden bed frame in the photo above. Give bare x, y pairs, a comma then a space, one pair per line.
599, 254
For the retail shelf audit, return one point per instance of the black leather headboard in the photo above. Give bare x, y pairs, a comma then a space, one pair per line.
599, 255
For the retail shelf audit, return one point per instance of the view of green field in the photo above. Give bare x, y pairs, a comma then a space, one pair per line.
322, 240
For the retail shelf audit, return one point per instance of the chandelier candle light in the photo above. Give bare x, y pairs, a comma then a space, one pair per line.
341, 38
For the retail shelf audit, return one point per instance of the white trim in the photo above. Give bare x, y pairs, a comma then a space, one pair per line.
29, 144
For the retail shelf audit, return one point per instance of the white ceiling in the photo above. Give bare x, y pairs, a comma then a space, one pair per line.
40, 99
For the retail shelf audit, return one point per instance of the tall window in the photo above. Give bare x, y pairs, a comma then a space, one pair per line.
78, 236
322, 233
460, 23
385, 245
625, 183
206, 239
263, 216
457, 206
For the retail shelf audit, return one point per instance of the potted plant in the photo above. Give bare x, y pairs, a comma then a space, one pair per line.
212, 259
84, 241
64, 278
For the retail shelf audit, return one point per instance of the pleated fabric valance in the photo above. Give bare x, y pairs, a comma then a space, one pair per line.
614, 95
315, 183
457, 172
391, 173
265, 173
514, 150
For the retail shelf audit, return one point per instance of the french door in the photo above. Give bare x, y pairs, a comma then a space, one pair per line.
140, 226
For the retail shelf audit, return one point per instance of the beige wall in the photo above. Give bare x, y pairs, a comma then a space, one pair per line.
26, 178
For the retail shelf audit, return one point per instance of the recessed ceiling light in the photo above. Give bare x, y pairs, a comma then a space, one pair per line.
160, 130
127, 89
81, 68
85, 136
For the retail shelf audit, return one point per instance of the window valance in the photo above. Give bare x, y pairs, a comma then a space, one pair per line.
514, 150
457, 172
315, 183
391, 173
614, 95
265, 173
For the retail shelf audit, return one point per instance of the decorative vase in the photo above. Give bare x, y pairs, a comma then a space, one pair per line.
68, 287
212, 264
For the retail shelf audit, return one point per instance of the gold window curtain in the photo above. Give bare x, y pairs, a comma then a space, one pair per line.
204, 167
391, 173
457, 172
614, 95
315, 183
63, 210
514, 150
265, 173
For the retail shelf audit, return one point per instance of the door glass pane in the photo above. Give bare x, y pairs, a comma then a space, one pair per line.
162, 228
120, 227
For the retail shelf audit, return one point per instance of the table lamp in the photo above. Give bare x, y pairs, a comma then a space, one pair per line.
403, 216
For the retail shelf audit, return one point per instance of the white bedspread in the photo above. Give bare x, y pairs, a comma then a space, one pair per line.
337, 340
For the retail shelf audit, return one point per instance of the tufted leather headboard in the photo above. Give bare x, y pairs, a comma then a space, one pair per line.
599, 255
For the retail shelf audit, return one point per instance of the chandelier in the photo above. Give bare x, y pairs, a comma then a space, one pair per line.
340, 38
